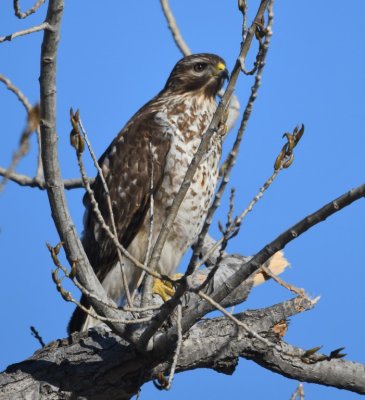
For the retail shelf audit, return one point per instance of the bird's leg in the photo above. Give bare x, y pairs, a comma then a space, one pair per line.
165, 289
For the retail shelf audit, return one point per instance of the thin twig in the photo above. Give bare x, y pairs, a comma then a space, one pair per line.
242, 6
148, 281
18, 93
281, 282
27, 31
66, 295
18, 12
250, 267
89, 311
231, 158
110, 209
105, 227
235, 320
298, 394
24, 180
89, 294
141, 309
24, 142
180, 42
28, 107
223, 242
284, 160
36, 334
178, 346
235, 226
250, 332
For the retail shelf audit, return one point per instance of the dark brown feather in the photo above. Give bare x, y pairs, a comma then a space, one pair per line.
129, 181
129, 171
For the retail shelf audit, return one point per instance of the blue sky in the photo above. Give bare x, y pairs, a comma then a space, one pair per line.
113, 57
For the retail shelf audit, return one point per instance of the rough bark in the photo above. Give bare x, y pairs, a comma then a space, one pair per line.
99, 364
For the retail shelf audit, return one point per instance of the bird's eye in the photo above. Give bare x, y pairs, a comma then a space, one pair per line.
199, 67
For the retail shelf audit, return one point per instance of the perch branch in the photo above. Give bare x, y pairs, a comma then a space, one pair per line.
37, 28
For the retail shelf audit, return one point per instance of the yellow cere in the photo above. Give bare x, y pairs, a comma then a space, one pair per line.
221, 66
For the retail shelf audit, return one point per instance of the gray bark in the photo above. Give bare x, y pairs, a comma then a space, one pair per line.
100, 365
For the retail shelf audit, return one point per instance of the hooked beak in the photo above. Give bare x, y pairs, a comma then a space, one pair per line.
221, 71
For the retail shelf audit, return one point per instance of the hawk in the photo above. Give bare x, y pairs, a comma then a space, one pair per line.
150, 157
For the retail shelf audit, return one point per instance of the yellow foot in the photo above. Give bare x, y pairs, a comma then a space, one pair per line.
165, 289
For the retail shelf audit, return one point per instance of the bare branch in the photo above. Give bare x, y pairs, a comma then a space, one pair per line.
246, 269
180, 42
38, 337
233, 229
193, 314
110, 208
33, 125
281, 282
231, 158
24, 180
18, 12
67, 296
105, 226
18, 93
99, 350
37, 28
24, 142
178, 347
204, 144
148, 280
55, 189
298, 394
234, 319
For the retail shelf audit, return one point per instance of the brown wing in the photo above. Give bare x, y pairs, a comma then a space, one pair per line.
127, 166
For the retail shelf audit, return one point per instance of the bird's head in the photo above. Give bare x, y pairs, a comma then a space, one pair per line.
198, 73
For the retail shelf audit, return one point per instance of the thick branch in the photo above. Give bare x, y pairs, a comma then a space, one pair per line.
65, 368
55, 188
198, 308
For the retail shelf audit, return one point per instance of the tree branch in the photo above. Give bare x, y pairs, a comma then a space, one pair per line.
245, 269
54, 183
18, 93
65, 368
37, 28
179, 40
24, 180
18, 12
